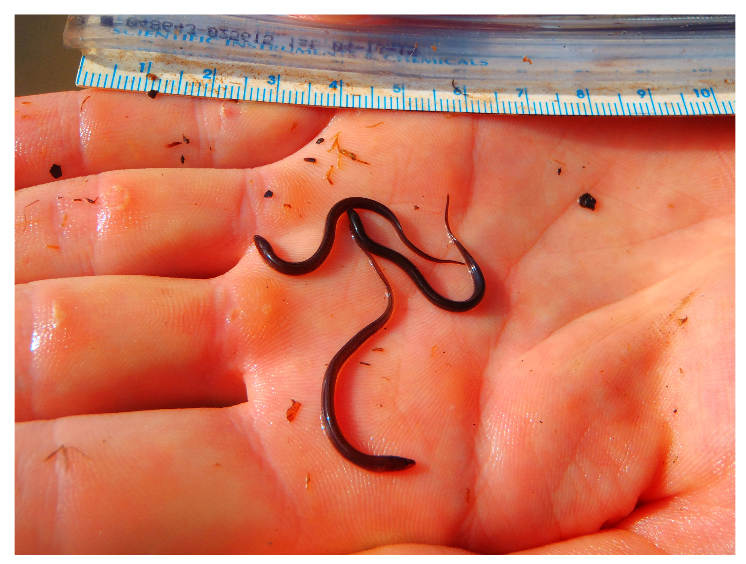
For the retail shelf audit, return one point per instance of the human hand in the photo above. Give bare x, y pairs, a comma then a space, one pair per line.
588, 401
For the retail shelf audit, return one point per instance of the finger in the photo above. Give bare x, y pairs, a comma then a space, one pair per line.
201, 481
112, 343
178, 481
92, 131
157, 222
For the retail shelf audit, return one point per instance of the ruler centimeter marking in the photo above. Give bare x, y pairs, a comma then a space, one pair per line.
255, 82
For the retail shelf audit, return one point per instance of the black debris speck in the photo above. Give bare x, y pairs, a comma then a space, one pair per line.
152, 93
319, 140
559, 171
268, 194
587, 201
182, 159
55, 171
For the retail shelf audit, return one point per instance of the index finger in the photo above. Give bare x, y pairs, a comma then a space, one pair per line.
71, 134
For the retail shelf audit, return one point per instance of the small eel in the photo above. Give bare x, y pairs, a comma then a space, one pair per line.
327, 239
374, 463
328, 414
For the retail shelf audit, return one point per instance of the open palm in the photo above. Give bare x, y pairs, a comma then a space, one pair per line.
587, 401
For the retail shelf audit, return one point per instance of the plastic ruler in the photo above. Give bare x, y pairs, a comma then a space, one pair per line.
525, 65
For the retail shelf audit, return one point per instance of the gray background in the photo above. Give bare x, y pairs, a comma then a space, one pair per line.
42, 63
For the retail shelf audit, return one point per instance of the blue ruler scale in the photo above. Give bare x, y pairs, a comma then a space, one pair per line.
538, 65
